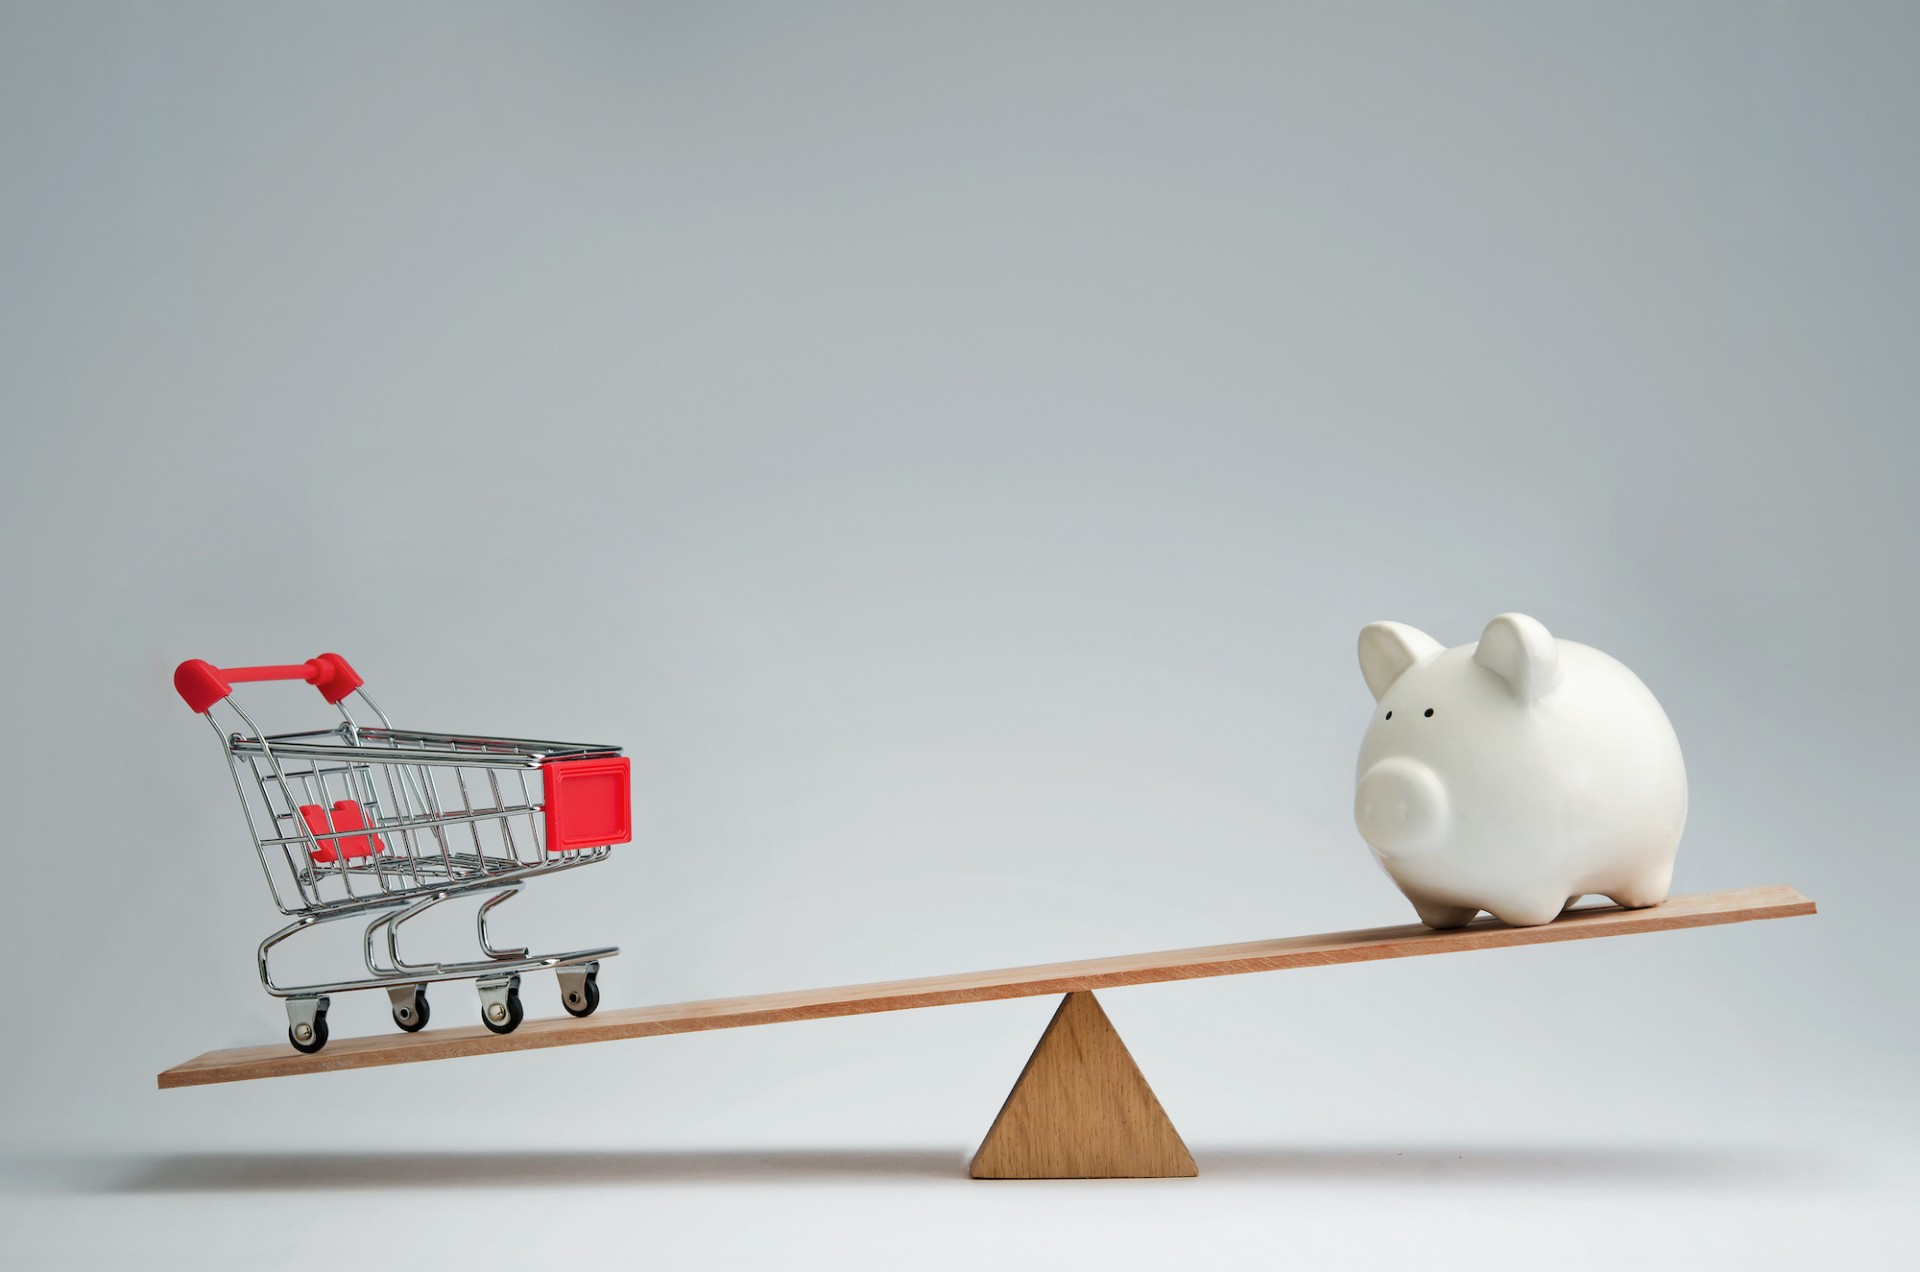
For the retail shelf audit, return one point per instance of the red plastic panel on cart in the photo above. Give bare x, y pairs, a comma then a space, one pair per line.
346, 816
589, 803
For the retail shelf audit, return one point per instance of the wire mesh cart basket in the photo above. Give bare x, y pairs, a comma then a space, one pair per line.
375, 824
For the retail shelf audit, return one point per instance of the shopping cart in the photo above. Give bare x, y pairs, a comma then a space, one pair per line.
382, 824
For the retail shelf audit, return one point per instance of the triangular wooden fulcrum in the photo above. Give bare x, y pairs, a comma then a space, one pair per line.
1081, 1110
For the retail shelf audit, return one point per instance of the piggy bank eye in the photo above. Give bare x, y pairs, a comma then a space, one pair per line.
1429, 710
1389, 715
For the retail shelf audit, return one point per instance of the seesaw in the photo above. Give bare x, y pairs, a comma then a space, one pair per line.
1081, 1108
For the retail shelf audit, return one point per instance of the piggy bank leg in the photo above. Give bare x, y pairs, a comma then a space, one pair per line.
1648, 889
1527, 914
1571, 902
1443, 916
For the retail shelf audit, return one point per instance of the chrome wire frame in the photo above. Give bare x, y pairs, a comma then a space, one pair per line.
453, 815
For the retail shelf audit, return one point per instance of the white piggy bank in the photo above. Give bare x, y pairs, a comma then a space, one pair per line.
1516, 775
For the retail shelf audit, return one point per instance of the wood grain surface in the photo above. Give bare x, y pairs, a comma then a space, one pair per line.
280, 1060
1082, 1110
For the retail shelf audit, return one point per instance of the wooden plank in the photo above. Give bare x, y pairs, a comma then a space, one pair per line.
279, 1060
1082, 1110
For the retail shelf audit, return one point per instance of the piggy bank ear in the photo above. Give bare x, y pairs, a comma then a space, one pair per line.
1520, 650
1388, 649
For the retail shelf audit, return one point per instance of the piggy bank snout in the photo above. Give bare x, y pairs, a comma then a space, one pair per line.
1401, 806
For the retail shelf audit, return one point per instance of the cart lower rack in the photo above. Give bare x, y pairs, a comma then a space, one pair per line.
378, 825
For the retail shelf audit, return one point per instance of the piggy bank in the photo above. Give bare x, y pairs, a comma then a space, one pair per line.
1515, 775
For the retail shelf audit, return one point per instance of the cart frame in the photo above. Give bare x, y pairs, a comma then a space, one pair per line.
408, 834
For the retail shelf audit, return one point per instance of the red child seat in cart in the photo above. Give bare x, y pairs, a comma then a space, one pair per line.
334, 844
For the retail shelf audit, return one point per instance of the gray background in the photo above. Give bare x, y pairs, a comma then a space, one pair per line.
953, 449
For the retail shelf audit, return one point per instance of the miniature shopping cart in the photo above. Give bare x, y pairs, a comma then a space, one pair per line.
378, 824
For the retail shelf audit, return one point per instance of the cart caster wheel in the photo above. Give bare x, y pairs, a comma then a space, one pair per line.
503, 1017
412, 1016
316, 1035
582, 998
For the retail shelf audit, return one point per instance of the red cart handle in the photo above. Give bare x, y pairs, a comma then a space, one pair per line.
202, 684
